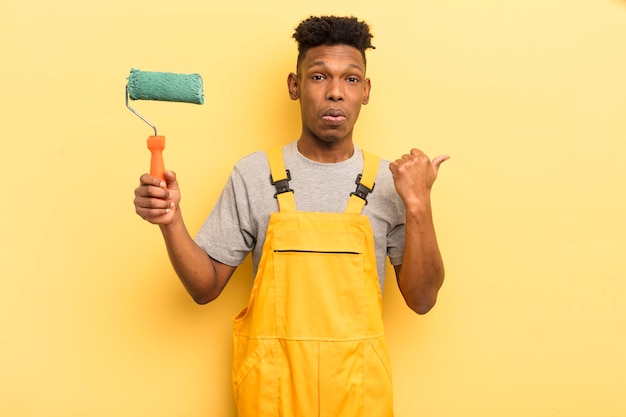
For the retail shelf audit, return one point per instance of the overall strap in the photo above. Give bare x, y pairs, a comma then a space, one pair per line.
365, 183
280, 179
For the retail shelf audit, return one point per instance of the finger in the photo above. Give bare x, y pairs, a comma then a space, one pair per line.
393, 167
152, 203
402, 160
147, 179
152, 215
151, 191
411, 155
417, 152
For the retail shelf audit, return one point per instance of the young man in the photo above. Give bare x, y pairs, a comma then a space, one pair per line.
311, 340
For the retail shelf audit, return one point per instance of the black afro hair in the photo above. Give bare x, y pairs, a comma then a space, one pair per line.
332, 30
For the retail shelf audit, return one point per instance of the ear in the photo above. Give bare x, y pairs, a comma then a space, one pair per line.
293, 83
366, 91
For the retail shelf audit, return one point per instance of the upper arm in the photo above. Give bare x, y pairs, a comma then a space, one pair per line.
223, 273
209, 286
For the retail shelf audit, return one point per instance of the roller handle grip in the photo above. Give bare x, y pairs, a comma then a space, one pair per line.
156, 144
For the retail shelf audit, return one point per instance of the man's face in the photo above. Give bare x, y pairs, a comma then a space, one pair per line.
331, 87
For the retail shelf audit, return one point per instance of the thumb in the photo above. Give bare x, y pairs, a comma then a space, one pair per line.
170, 179
436, 162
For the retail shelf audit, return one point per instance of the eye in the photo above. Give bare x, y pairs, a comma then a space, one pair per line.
352, 79
317, 77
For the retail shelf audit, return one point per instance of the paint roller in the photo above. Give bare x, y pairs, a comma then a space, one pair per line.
161, 86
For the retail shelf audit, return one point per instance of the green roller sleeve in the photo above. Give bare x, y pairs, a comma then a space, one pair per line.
165, 86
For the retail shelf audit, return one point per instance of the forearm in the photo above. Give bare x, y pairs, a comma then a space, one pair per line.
422, 272
193, 266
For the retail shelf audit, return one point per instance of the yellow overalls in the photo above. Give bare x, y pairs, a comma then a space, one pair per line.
311, 341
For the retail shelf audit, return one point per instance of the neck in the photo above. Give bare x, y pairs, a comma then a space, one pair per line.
326, 152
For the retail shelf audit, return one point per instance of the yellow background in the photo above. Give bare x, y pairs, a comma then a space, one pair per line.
528, 97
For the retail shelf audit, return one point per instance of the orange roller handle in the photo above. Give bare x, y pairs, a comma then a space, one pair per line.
156, 144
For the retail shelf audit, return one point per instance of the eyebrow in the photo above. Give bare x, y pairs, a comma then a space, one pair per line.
323, 64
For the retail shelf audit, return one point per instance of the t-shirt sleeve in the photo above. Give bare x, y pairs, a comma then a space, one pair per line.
395, 245
227, 234
396, 214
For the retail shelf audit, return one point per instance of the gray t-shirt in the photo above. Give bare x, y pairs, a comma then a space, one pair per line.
239, 220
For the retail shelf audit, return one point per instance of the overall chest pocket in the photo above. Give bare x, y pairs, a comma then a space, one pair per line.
320, 283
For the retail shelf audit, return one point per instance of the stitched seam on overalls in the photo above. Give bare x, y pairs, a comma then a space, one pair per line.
253, 367
382, 360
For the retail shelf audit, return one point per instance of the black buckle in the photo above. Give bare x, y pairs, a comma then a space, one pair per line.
361, 190
282, 186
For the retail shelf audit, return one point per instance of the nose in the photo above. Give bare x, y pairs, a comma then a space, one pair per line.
335, 91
